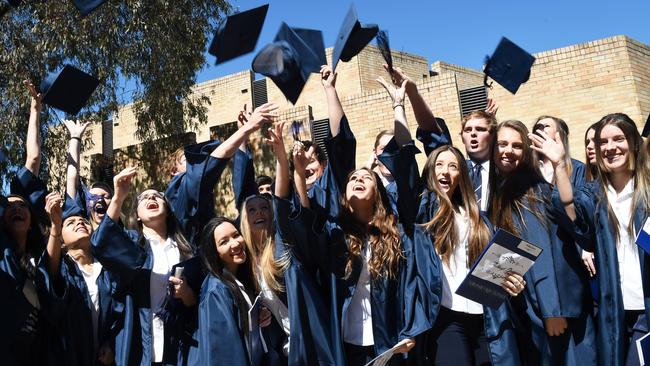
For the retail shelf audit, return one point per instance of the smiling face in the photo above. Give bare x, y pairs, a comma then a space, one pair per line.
151, 206
590, 146
614, 149
258, 214
447, 171
509, 151
76, 231
476, 137
99, 199
231, 247
313, 170
361, 188
17, 216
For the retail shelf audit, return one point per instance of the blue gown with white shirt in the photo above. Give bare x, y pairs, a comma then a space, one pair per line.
595, 235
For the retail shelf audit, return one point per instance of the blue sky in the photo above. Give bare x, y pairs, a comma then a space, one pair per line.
459, 32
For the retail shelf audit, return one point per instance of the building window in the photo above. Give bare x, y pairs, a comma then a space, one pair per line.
259, 93
223, 131
472, 99
319, 131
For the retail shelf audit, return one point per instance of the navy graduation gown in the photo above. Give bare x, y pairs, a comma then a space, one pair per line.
431, 140
578, 174
243, 177
501, 325
299, 235
76, 325
401, 306
221, 339
118, 251
191, 194
596, 235
555, 287
341, 150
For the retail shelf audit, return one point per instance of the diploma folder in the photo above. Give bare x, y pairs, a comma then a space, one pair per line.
504, 253
643, 238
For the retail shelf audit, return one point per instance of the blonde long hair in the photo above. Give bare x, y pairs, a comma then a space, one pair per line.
442, 226
269, 268
382, 234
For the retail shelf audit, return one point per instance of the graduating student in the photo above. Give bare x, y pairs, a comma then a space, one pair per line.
91, 321
465, 332
550, 125
609, 213
561, 328
591, 172
30, 299
224, 334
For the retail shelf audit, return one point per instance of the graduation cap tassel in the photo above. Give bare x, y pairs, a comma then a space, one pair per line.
384, 47
485, 76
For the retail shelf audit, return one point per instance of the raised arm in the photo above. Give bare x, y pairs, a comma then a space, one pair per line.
55, 212
76, 130
553, 149
402, 133
261, 115
334, 108
122, 185
300, 160
423, 115
33, 143
282, 164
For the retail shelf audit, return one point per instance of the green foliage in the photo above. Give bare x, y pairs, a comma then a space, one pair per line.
156, 45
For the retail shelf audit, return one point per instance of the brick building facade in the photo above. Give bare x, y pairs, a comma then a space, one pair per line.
579, 83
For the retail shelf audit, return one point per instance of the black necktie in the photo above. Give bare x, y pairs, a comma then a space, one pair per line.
477, 182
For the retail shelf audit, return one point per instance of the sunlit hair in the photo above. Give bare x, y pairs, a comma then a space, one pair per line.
563, 130
382, 134
382, 233
636, 164
174, 230
480, 114
263, 253
512, 193
213, 264
174, 158
442, 226
591, 169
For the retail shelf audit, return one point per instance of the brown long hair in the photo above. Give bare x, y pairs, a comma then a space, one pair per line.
382, 234
563, 129
636, 163
442, 226
270, 268
512, 193
591, 170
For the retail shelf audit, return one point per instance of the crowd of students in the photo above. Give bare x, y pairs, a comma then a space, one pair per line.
332, 264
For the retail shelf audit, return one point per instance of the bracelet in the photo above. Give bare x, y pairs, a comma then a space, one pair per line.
398, 105
75, 138
55, 236
567, 203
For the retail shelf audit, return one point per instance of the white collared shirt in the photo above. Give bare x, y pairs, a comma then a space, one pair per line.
91, 283
629, 267
457, 270
165, 256
357, 325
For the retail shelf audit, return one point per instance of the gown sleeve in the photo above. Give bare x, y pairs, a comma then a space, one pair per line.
191, 193
432, 140
117, 249
243, 177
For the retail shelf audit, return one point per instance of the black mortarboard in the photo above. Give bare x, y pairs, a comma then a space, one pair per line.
353, 37
238, 34
87, 6
68, 89
509, 65
646, 128
288, 61
384, 47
